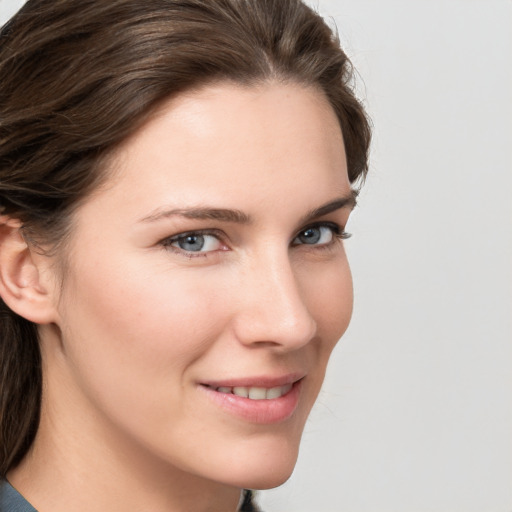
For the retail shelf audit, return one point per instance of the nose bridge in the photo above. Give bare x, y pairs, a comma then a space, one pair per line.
274, 309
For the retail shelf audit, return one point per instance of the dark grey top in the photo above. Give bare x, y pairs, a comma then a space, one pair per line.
11, 500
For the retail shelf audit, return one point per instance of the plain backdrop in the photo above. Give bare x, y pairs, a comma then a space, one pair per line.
416, 411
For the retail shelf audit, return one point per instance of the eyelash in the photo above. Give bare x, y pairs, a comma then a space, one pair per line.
167, 242
338, 234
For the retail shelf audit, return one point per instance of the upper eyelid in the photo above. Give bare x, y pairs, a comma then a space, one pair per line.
328, 223
214, 232
219, 233
320, 223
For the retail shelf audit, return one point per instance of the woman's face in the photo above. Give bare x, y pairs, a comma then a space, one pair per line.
208, 268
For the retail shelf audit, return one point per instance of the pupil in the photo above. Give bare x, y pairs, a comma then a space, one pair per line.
192, 242
310, 236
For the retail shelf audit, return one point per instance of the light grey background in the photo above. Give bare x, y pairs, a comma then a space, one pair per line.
416, 411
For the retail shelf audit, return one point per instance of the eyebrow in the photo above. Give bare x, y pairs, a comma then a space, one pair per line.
348, 201
239, 217
201, 213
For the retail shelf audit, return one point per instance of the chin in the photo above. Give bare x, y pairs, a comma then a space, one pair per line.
264, 468
271, 479
265, 478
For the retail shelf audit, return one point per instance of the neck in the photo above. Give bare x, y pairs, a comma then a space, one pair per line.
59, 474
81, 462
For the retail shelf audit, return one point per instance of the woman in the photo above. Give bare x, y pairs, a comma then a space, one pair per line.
175, 181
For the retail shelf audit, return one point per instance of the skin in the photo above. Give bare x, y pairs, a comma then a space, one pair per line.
137, 323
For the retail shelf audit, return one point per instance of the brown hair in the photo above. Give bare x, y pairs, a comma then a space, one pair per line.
80, 76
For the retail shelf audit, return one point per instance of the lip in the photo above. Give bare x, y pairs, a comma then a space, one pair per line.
263, 381
263, 412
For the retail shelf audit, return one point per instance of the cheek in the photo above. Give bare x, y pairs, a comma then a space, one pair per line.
330, 300
129, 333
134, 305
329, 297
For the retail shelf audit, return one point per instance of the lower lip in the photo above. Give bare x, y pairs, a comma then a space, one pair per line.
274, 410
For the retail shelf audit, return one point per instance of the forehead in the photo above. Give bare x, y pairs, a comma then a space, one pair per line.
236, 144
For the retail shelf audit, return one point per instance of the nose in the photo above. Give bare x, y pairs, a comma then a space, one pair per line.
272, 310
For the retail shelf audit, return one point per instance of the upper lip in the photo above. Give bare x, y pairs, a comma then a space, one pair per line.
262, 381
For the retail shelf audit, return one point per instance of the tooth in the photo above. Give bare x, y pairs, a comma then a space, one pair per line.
241, 391
224, 389
285, 389
257, 393
274, 392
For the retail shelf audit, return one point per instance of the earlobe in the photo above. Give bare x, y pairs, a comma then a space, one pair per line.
21, 287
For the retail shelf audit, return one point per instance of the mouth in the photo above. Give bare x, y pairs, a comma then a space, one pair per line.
261, 401
253, 392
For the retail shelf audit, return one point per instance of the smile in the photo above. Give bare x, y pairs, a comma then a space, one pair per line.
266, 401
256, 393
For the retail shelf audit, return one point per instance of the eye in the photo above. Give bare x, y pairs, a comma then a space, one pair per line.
320, 234
316, 235
195, 242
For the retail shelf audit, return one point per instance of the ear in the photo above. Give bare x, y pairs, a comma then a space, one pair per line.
22, 286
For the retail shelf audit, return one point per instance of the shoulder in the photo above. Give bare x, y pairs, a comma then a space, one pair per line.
11, 500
